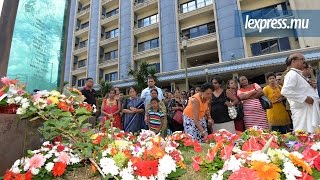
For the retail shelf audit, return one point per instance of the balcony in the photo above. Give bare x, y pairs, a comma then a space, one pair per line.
109, 20
200, 11
109, 41
80, 49
80, 31
103, 63
84, 13
147, 29
79, 68
144, 5
146, 54
202, 40
109, 2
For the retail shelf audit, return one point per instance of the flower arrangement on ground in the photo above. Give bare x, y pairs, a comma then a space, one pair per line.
51, 160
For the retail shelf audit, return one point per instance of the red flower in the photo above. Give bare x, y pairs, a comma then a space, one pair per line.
28, 175
97, 140
187, 142
316, 163
310, 155
175, 156
146, 168
59, 168
60, 148
57, 139
63, 106
226, 152
9, 175
197, 147
243, 173
305, 176
195, 166
210, 136
252, 145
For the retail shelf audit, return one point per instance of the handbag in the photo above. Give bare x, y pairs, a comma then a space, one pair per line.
265, 102
178, 117
231, 110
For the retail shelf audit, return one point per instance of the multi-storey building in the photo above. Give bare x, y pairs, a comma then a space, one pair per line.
109, 37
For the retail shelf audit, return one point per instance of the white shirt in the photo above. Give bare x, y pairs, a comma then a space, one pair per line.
146, 95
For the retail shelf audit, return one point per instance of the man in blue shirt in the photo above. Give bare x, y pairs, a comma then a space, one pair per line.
146, 95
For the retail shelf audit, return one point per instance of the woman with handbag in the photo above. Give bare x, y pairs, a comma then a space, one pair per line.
222, 105
110, 110
175, 109
254, 114
278, 117
232, 87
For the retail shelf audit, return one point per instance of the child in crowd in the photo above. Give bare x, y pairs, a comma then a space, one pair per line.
155, 117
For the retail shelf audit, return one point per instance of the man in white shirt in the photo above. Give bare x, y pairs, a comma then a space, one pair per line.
303, 98
146, 95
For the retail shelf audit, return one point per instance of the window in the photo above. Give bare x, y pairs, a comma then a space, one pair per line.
112, 13
111, 76
84, 25
273, 11
155, 66
113, 33
153, 43
81, 82
148, 21
83, 44
270, 46
111, 55
199, 30
195, 4
82, 63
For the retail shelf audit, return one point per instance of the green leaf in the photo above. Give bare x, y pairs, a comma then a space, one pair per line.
315, 173
81, 119
82, 111
179, 172
65, 114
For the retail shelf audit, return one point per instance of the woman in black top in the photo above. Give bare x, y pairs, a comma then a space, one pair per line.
175, 104
221, 100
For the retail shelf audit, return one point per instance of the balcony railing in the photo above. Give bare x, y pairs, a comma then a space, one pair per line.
81, 45
104, 60
82, 63
84, 8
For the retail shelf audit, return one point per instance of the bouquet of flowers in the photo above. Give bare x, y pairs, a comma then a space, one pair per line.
12, 95
51, 160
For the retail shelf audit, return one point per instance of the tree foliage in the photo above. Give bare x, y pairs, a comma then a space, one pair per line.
105, 87
141, 75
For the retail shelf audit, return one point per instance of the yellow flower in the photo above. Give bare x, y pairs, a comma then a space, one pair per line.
52, 100
300, 163
276, 156
182, 165
266, 171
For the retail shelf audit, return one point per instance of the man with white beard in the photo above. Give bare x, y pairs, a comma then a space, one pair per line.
303, 98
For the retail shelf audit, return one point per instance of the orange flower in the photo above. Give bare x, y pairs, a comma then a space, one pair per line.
59, 168
267, 171
300, 163
114, 151
181, 164
93, 168
63, 106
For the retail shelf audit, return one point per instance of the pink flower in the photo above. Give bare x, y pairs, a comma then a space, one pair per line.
37, 161
5, 81
36, 97
64, 158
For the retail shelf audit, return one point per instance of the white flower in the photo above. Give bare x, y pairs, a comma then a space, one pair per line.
15, 170
36, 151
25, 105
16, 163
48, 156
166, 165
169, 149
10, 101
291, 171
24, 100
109, 166
259, 156
74, 159
21, 110
233, 164
26, 165
316, 146
297, 154
127, 174
34, 171
17, 99
217, 176
55, 93
49, 166
46, 143
94, 108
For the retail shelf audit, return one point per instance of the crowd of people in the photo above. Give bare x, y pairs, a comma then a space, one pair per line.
292, 102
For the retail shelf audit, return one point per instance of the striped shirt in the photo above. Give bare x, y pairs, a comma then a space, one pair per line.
155, 119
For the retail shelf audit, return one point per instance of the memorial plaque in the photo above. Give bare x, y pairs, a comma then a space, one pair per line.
37, 49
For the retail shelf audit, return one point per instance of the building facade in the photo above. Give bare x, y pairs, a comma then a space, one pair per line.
109, 37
